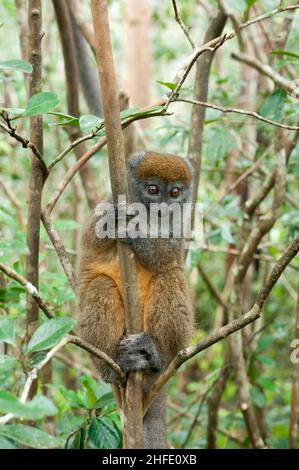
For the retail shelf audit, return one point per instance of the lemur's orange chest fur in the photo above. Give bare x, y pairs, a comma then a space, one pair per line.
112, 270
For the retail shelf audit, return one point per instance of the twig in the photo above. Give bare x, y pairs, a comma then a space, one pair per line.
30, 288
228, 329
212, 289
69, 148
10, 194
64, 24
212, 46
181, 23
242, 177
200, 92
99, 354
238, 111
60, 249
266, 70
32, 376
25, 144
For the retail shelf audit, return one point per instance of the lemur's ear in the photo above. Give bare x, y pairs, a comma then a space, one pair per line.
135, 159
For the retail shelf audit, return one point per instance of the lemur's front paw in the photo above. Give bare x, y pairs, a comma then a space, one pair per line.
138, 353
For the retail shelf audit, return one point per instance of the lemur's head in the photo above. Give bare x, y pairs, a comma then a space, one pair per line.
159, 178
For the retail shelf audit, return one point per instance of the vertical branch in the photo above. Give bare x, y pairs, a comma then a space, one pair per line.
201, 87
293, 425
133, 401
22, 24
36, 172
72, 85
137, 29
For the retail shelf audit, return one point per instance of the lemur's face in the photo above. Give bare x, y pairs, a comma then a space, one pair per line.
159, 178
152, 190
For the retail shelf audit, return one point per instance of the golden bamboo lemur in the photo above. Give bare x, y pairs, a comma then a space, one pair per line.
167, 318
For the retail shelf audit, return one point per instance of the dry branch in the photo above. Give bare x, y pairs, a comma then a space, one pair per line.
29, 288
72, 86
200, 92
265, 69
133, 406
239, 111
228, 329
36, 172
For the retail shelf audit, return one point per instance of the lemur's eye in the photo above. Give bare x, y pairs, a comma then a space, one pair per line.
175, 192
152, 189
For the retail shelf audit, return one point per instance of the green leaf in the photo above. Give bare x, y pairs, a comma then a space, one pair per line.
250, 3
286, 53
106, 400
6, 444
29, 436
136, 112
7, 363
63, 119
226, 233
88, 122
20, 65
258, 397
273, 105
128, 112
264, 342
41, 103
7, 331
78, 440
268, 384
38, 408
13, 110
103, 434
169, 85
50, 333
266, 360
36, 359
90, 394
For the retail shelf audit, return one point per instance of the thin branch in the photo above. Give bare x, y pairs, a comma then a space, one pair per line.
233, 326
277, 270
200, 92
212, 46
32, 374
29, 288
212, 289
11, 196
182, 25
186, 354
71, 173
265, 69
69, 148
25, 144
99, 354
76, 8
238, 111
60, 249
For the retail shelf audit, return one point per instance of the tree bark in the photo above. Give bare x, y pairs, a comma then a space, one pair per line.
138, 53
132, 408
36, 174
72, 85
